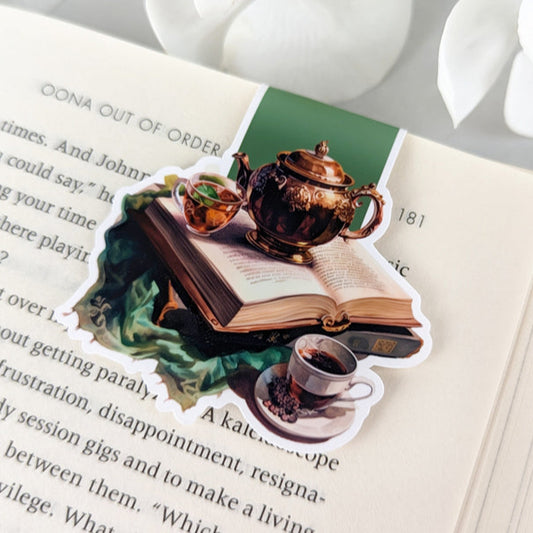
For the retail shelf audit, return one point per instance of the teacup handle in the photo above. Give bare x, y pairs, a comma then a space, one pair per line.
176, 192
375, 221
356, 381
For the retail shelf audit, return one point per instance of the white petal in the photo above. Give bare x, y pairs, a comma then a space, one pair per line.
184, 33
478, 39
525, 27
35, 5
329, 50
208, 8
518, 109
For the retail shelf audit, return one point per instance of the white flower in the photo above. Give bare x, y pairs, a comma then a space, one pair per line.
34, 5
330, 50
478, 39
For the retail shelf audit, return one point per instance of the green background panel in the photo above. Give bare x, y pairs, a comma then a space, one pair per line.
285, 121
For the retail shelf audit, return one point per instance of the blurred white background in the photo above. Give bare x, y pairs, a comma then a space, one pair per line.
408, 97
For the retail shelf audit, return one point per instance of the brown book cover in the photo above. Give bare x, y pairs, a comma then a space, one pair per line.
175, 309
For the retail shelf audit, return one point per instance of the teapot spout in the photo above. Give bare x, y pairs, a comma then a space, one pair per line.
244, 172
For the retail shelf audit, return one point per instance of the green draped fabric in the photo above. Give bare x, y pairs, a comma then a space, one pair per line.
118, 310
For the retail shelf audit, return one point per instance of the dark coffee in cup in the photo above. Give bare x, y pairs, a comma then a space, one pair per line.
322, 370
324, 361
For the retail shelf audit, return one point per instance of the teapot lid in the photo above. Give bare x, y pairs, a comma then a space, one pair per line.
317, 165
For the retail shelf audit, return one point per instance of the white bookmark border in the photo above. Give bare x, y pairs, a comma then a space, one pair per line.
164, 403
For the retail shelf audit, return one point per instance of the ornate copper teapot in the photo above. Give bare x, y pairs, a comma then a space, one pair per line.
302, 200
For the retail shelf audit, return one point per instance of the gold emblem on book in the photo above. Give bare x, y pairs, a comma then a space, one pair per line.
385, 346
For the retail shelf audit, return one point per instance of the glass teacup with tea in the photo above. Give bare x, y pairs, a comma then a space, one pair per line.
208, 201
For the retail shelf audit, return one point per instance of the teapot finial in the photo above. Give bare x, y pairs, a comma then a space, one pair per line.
322, 149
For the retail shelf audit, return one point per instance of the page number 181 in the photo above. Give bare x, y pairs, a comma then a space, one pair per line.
411, 217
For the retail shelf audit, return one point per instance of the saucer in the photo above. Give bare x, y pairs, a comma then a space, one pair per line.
317, 425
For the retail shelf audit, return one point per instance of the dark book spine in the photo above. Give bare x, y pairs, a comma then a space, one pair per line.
382, 343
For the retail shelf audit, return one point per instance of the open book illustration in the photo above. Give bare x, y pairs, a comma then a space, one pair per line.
240, 289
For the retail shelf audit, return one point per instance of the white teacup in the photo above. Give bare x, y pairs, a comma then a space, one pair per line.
321, 370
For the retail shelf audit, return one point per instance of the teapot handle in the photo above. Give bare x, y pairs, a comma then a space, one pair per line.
375, 221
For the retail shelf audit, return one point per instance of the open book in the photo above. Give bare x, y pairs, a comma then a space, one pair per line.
240, 289
83, 445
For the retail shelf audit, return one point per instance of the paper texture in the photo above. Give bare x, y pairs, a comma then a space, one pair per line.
501, 494
81, 441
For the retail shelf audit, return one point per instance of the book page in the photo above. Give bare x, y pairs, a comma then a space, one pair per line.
254, 276
466, 245
349, 272
83, 445
501, 489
